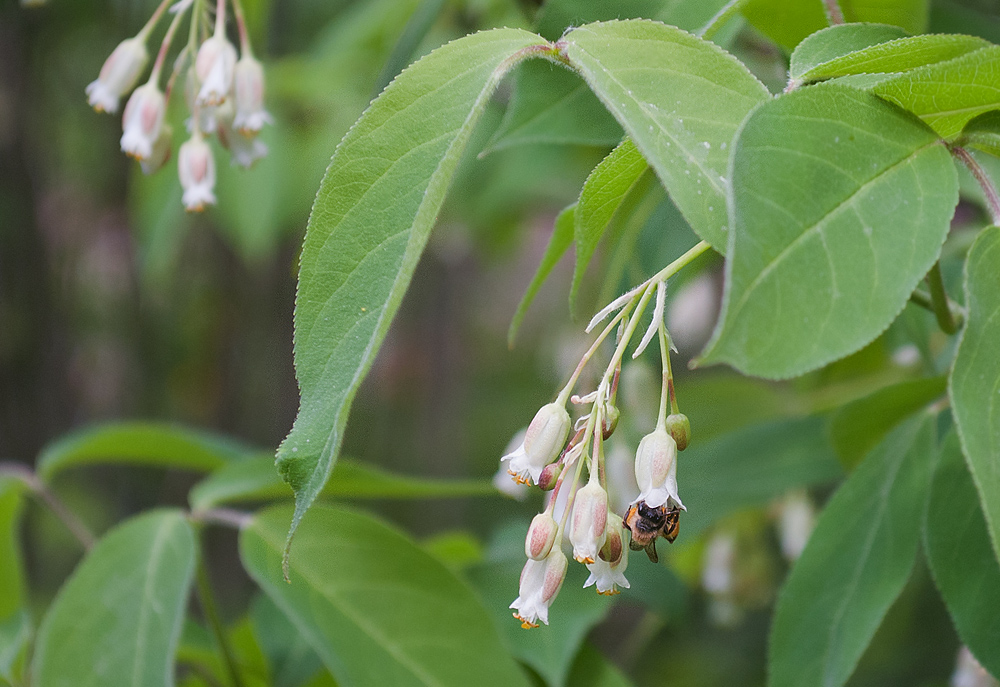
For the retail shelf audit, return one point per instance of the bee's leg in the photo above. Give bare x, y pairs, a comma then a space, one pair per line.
634, 545
651, 552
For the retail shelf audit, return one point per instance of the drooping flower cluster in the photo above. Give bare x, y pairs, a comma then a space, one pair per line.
224, 94
555, 452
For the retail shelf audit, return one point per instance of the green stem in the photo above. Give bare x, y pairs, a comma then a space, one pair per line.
208, 607
568, 389
241, 27
68, 518
161, 56
157, 13
681, 262
834, 15
939, 301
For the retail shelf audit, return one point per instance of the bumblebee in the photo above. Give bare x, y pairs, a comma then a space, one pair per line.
646, 524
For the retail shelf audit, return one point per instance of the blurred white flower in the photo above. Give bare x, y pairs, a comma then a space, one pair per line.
142, 121
196, 168
118, 75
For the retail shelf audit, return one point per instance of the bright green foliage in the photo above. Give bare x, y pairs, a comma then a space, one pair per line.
975, 376
680, 99
983, 133
372, 216
960, 556
15, 625
824, 55
255, 480
855, 564
948, 94
376, 608
857, 427
118, 619
562, 237
602, 195
139, 443
750, 467
840, 205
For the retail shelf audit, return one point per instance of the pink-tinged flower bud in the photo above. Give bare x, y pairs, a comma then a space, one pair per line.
541, 536
608, 570
542, 444
248, 92
550, 475
161, 151
588, 522
540, 583
196, 168
679, 427
118, 75
656, 469
214, 66
610, 421
142, 121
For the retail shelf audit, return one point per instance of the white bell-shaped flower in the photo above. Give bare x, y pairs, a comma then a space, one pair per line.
118, 75
243, 150
248, 92
142, 121
588, 522
540, 582
541, 536
608, 569
214, 65
656, 470
543, 442
196, 168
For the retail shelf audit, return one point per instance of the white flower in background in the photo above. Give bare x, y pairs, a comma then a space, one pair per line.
796, 521
608, 569
543, 442
620, 470
118, 75
656, 470
214, 65
718, 579
196, 168
588, 522
969, 673
142, 121
692, 312
161, 151
243, 151
540, 582
248, 92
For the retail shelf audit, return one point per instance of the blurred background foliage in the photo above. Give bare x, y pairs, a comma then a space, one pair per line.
115, 304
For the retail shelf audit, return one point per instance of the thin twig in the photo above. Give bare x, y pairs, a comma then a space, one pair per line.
834, 14
983, 179
227, 517
48, 497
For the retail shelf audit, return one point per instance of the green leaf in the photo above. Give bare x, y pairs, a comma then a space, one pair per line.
948, 94
857, 427
961, 558
840, 206
750, 467
591, 669
680, 99
255, 480
562, 237
975, 376
395, 166
603, 194
139, 443
15, 636
855, 564
376, 608
840, 51
117, 621
15, 623
289, 655
983, 132
551, 105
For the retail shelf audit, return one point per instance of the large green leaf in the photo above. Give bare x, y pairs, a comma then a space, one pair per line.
291, 659
118, 619
372, 216
840, 205
961, 558
375, 607
750, 467
855, 564
602, 195
983, 132
975, 377
591, 669
948, 94
15, 625
841, 51
680, 99
255, 480
857, 427
139, 443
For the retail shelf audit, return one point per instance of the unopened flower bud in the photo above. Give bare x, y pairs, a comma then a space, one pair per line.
656, 469
161, 151
214, 65
679, 428
542, 444
610, 421
118, 75
248, 92
196, 168
608, 571
550, 474
540, 583
588, 522
142, 121
541, 536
